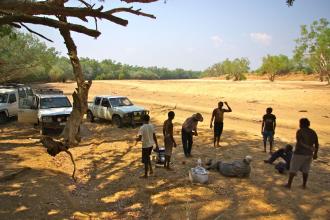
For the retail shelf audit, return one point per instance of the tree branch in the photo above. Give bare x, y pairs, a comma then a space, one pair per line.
139, 1
130, 10
34, 32
40, 8
48, 22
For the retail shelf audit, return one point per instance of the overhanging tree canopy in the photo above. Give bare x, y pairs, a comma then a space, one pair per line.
55, 14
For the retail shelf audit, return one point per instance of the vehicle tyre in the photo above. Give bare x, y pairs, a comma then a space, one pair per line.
3, 117
90, 116
116, 120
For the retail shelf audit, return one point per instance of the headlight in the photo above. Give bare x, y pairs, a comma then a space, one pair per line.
47, 119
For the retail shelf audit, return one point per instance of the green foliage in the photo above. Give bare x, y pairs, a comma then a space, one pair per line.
275, 65
108, 69
24, 57
313, 48
234, 69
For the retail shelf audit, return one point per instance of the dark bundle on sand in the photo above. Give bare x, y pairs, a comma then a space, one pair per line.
55, 147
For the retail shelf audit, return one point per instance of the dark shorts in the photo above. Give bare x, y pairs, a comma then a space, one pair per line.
218, 128
146, 152
268, 135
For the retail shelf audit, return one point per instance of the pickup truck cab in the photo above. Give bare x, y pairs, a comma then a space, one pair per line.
10, 99
118, 109
49, 109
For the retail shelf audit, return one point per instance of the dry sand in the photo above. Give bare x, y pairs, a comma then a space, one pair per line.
109, 165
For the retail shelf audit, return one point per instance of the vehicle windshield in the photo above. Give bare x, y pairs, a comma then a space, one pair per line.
3, 97
116, 102
54, 102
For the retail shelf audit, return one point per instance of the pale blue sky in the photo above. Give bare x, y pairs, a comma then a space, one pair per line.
195, 34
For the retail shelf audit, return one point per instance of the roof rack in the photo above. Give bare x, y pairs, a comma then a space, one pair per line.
48, 91
12, 85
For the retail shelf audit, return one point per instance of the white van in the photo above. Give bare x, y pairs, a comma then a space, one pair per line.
11, 97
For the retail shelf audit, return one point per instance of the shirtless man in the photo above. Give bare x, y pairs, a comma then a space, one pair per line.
217, 116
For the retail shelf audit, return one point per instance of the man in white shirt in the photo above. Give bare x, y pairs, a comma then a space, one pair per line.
147, 134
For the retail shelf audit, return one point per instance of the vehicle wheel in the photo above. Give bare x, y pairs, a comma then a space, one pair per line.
43, 131
90, 116
3, 117
116, 120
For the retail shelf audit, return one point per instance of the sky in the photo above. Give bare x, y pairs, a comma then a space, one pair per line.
195, 34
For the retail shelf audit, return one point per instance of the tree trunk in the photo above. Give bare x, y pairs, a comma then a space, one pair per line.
71, 131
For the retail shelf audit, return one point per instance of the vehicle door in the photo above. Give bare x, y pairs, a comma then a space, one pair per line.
105, 109
28, 110
96, 106
12, 104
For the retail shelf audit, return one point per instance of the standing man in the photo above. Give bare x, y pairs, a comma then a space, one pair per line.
189, 128
169, 141
306, 150
147, 135
217, 115
268, 129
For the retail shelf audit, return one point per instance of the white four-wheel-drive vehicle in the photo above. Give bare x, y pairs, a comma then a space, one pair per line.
11, 96
49, 109
119, 109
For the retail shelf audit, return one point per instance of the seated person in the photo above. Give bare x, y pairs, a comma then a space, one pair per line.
285, 154
238, 168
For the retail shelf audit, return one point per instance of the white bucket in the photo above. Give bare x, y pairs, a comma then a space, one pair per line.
198, 178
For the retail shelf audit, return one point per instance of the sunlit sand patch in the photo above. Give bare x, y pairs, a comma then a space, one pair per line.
212, 208
243, 189
21, 208
116, 176
16, 185
181, 194
258, 205
135, 206
119, 195
95, 215
10, 193
53, 212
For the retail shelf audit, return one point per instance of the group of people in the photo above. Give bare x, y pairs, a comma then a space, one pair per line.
299, 159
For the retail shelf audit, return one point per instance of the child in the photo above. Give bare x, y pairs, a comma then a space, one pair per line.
148, 137
268, 128
169, 141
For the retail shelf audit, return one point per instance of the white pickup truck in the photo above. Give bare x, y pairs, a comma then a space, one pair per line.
11, 96
118, 109
49, 109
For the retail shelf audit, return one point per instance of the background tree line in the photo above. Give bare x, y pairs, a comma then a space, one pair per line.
311, 55
25, 58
